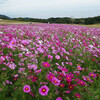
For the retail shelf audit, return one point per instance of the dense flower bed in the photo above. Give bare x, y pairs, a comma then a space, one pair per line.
49, 62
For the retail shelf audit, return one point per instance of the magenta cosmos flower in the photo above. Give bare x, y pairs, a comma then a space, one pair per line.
68, 91
59, 98
77, 95
26, 88
46, 64
91, 74
43, 90
68, 78
55, 81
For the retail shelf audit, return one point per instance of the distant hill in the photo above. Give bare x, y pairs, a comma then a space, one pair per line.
62, 20
4, 17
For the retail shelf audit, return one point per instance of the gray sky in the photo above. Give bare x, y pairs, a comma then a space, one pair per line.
50, 8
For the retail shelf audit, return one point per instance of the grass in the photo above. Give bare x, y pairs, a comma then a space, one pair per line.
21, 22
12, 22
93, 25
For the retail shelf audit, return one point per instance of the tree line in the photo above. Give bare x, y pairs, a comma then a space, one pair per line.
64, 20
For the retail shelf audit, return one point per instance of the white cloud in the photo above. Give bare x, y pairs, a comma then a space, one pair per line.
50, 8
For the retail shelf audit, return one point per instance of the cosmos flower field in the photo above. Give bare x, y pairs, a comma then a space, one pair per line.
49, 62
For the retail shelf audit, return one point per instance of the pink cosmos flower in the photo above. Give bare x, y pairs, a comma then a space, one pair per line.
34, 79
70, 63
57, 57
68, 91
59, 98
25, 42
13, 41
34, 66
71, 87
91, 74
50, 76
26, 88
49, 56
64, 69
84, 78
88, 79
81, 82
77, 95
66, 62
12, 66
2, 59
20, 55
7, 81
16, 75
38, 71
27, 54
46, 64
43, 90
41, 83
79, 67
32, 94
59, 77
4, 68
70, 50
29, 66
55, 81
67, 58
40, 50
68, 78
61, 85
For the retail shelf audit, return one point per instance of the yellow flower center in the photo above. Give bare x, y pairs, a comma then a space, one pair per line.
70, 86
43, 90
55, 81
12, 42
26, 88
35, 77
67, 77
51, 77
91, 74
78, 96
45, 64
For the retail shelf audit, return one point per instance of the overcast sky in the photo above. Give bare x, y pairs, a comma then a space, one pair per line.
50, 8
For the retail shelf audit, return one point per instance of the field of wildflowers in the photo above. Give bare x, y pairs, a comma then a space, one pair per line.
49, 62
